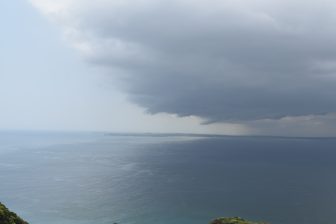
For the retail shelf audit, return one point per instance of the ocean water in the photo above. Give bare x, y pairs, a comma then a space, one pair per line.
92, 178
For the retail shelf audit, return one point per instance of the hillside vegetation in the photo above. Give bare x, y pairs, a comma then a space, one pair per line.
233, 220
8, 217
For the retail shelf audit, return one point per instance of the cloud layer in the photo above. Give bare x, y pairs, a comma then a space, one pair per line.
231, 60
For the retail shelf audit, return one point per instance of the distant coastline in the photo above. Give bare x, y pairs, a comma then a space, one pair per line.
150, 134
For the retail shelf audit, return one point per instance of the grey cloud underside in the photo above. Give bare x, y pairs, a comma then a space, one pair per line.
224, 63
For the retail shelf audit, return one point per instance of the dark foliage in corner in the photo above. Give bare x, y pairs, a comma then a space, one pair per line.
8, 217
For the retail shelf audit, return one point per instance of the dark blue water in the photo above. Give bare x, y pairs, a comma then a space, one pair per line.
82, 178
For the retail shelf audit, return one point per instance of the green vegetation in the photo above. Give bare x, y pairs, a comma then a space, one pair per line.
8, 217
233, 220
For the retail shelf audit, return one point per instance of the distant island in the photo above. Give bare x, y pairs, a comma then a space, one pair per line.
233, 220
8, 217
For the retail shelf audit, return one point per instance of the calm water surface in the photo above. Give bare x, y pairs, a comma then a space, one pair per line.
92, 178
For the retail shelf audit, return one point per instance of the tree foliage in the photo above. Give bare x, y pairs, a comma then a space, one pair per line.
233, 220
8, 217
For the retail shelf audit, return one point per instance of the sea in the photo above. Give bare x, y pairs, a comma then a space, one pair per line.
103, 178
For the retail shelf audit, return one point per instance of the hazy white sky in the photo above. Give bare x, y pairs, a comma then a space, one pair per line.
46, 84
242, 67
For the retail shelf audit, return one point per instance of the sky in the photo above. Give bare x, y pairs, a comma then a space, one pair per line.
235, 67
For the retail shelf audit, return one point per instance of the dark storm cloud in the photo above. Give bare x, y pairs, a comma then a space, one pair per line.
220, 60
